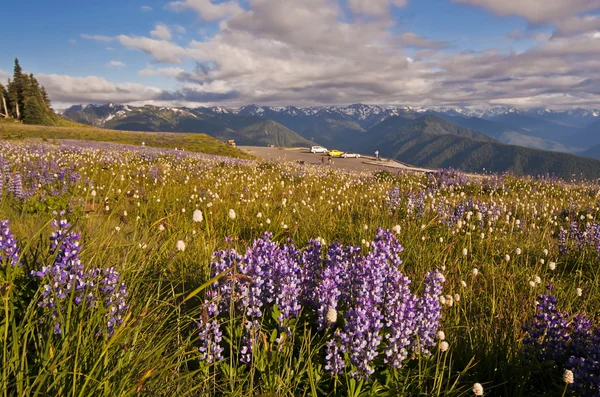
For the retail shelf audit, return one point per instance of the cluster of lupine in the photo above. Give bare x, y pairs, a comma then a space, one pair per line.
449, 177
67, 278
413, 203
9, 250
588, 237
570, 341
362, 301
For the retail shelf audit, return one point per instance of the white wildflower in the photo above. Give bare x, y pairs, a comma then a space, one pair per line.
331, 316
444, 346
197, 216
568, 377
180, 245
478, 389
232, 214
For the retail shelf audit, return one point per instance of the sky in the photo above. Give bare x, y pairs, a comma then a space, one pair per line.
523, 53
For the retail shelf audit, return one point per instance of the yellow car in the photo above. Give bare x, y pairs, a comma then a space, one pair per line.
335, 153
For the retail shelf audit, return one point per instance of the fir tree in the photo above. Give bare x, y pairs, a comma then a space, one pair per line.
3, 105
26, 99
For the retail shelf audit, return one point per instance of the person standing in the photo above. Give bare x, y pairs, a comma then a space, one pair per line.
377, 154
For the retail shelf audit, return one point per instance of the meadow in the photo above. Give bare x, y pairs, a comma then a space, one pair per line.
132, 270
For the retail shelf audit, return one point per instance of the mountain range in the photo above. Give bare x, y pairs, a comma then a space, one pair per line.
497, 139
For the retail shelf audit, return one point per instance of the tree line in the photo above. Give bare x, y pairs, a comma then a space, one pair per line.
26, 100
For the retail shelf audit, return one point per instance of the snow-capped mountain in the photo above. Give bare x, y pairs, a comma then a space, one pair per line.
540, 128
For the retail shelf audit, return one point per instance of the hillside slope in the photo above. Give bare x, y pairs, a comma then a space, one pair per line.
246, 130
406, 141
200, 143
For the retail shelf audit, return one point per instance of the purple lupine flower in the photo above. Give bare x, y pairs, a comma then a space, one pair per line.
114, 292
15, 186
572, 344
311, 264
430, 312
210, 341
9, 250
334, 361
67, 277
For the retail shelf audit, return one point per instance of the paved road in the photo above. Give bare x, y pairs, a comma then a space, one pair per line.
364, 163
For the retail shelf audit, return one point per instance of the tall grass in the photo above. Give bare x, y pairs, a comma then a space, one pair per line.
133, 207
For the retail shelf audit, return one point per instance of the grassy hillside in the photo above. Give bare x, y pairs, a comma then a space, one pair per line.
425, 148
191, 142
246, 130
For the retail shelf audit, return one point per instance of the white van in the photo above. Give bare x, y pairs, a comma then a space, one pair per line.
318, 149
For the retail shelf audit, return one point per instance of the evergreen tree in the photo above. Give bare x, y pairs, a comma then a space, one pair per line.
46, 97
3, 112
27, 100
18, 83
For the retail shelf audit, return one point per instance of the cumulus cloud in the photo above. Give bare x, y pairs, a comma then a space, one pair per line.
92, 89
207, 9
413, 40
578, 25
169, 72
4, 76
373, 7
161, 50
309, 52
115, 64
97, 37
536, 10
161, 32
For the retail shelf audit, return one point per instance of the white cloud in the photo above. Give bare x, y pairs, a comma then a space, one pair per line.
410, 39
94, 89
309, 52
115, 64
578, 25
161, 50
161, 32
72, 41
97, 37
146, 8
208, 10
373, 7
4, 76
169, 72
536, 10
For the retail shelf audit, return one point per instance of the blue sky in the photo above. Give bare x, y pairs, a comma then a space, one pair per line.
306, 52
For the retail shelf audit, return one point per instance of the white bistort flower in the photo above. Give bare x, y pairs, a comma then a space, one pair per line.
331, 316
197, 216
568, 377
180, 245
231, 214
478, 389
444, 346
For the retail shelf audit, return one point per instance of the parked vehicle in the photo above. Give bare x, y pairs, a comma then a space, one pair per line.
350, 155
318, 149
335, 153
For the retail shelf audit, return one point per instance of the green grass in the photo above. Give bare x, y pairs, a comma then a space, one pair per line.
9, 130
155, 351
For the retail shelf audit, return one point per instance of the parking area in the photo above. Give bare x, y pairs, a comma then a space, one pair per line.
364, 163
